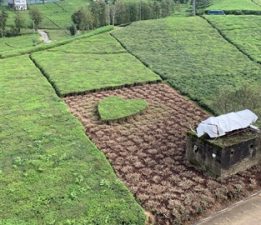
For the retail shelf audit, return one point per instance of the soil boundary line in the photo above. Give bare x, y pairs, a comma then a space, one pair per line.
230, 41
109, 88
45, 75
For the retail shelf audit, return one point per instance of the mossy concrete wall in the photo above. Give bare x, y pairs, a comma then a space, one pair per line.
222, 160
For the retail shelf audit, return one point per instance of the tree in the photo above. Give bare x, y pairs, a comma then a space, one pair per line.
167, 7
73, 29
156, 10
101, 12
121, 14
83, 19
194, 7
112, 14
134, 9
3, 19
36, 17
19, 22
198, 6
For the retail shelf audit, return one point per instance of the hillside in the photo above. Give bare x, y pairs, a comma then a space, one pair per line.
57, 15
193, 57
235, 6
94, 125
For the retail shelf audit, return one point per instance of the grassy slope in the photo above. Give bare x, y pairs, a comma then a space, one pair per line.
243, 31
56, 15
11, 44
98, 44
235, 5
50, 172
93, 63
20, 50
114, 107
191, 55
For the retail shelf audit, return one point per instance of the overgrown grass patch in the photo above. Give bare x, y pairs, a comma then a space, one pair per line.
243, 31
115, 108
50, 172
76, 72
191, 55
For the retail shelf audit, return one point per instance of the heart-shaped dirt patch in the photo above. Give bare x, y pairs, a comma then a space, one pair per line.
114, 107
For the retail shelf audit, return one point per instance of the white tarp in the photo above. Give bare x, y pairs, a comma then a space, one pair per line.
220, 125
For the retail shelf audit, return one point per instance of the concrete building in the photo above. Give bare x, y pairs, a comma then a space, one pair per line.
23, 4
18, 4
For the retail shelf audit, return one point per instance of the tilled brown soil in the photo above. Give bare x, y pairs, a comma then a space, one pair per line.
148, 153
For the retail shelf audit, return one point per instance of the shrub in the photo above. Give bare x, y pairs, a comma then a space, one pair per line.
233, 100
73, 29
36, 17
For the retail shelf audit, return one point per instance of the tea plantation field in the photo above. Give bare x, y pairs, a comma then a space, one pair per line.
91, 64
235, 5
97, 44
57, 15
243, 31
12, 44
191, 55
29, 45
50, 172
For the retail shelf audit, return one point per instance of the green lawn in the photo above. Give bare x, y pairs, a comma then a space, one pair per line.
243, 31
115, 107
191, 55
236, 5
92, 66
12, 44
50, 172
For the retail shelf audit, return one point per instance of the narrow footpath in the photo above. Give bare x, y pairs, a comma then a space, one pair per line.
44, 37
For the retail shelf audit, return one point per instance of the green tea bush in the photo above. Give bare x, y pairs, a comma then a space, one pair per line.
243, 31
236, 7
43, 148
190, 55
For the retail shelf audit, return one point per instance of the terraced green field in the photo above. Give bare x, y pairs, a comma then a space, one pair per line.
243, 31
56, 15
236, 5
12, 44
191, 55
97, 44
90, 65
22, 49
50, 172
